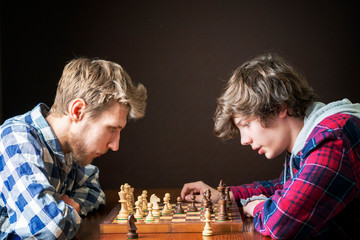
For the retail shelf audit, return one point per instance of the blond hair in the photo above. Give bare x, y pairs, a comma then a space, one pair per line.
261, 88
98, 82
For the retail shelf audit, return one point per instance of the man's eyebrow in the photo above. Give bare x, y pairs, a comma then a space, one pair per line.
238, 122
116, 126
243, 121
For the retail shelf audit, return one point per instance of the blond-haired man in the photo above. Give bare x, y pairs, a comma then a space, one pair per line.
46, 178
273, 108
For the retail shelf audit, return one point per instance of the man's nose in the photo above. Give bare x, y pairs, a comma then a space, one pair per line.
244, 139
114, 144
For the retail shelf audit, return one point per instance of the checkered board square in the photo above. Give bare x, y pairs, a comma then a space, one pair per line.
187, 222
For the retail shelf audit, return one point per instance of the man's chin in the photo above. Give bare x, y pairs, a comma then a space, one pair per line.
83, 162
269, 156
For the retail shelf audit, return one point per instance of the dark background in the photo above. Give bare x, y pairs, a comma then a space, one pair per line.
183, 52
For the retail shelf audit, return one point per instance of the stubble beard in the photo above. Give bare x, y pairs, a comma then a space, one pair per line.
78, 149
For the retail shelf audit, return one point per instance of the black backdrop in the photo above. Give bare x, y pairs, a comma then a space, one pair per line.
183, 52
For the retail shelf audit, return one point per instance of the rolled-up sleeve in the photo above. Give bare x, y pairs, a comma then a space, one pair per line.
256, 188
87, 190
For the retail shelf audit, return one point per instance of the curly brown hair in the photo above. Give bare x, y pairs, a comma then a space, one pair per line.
261, 88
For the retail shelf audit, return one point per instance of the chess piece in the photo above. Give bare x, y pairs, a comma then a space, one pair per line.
168, 202
138, 213
131, 227
192, 207
123, 213
144, 194
127, 188
227, 196
221, 189
207, 229
221, 183
150, 217
119, 194
140, 200
203, 203
179, 209
155, 209
145, 202
128, 198
223, 214
208, 196
132, 196
208, 193
166, 210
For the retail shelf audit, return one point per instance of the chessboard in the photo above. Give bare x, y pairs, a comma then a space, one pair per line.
187, 222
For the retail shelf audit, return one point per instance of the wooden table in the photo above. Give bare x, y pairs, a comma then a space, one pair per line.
90, 227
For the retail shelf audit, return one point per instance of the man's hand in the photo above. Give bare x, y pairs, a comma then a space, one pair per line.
249, 208
198, 188
70, 201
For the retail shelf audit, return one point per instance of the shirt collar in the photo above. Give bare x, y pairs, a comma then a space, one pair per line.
38, 115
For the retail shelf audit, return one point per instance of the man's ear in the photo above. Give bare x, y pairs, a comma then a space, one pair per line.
76, 109
283, 112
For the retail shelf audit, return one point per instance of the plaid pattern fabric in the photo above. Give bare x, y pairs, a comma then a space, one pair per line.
33, 171
322, 199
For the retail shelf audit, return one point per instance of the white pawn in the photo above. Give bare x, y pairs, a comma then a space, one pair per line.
166, 210
138, 213
207, 229
150, 217
168, 202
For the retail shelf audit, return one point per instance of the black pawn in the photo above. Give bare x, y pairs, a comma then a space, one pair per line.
179, 209
192, 207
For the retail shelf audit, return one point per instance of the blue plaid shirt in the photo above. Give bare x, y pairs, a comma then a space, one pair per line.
33, 171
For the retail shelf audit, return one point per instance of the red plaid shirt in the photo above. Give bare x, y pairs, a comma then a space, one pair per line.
322, 199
